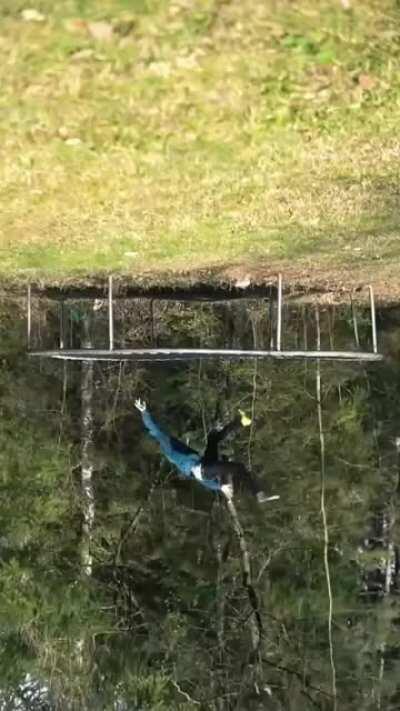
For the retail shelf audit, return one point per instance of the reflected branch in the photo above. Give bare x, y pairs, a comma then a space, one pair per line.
87, 464
127, 530
184, 693
256, 628
323, 510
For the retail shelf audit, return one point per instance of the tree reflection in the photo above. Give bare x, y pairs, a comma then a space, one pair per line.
162, 609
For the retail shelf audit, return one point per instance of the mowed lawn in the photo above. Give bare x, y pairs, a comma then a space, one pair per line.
145, 136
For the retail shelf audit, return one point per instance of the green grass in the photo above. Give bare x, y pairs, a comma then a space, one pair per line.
203, 133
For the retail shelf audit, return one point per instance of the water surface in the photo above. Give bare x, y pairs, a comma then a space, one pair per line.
121, 583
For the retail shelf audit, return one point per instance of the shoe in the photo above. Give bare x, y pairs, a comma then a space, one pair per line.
262, 497
245, 421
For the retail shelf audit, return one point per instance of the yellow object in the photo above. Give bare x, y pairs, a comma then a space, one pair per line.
246, 421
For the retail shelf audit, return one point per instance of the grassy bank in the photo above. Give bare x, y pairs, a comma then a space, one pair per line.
141, 136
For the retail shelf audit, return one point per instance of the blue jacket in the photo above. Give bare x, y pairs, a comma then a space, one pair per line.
179, 454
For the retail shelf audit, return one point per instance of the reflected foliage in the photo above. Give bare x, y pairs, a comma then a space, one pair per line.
163, 620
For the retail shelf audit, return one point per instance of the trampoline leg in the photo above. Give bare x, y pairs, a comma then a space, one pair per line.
110, 313
373, 320
279, 316
29, 317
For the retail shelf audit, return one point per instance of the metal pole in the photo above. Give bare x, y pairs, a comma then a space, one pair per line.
318, 328
373, 320
174, 354
355, 323
279, 322
71, 329
271, 322
29, 317
62, 325
152, 321
110, 313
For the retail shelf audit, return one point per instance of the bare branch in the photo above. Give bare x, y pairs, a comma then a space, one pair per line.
323, 512
184, 693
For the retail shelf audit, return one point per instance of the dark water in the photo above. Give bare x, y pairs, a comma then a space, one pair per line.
121, 583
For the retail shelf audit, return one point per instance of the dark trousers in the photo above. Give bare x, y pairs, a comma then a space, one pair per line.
223, 470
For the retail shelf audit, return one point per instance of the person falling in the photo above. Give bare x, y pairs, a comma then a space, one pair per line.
209, 470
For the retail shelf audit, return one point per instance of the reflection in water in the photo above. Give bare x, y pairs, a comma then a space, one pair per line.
87, 464
126, 586
212, 471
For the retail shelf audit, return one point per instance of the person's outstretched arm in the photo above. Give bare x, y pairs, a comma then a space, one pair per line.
177, 452
153, 429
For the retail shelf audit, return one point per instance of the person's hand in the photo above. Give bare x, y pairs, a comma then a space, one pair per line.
140, 405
